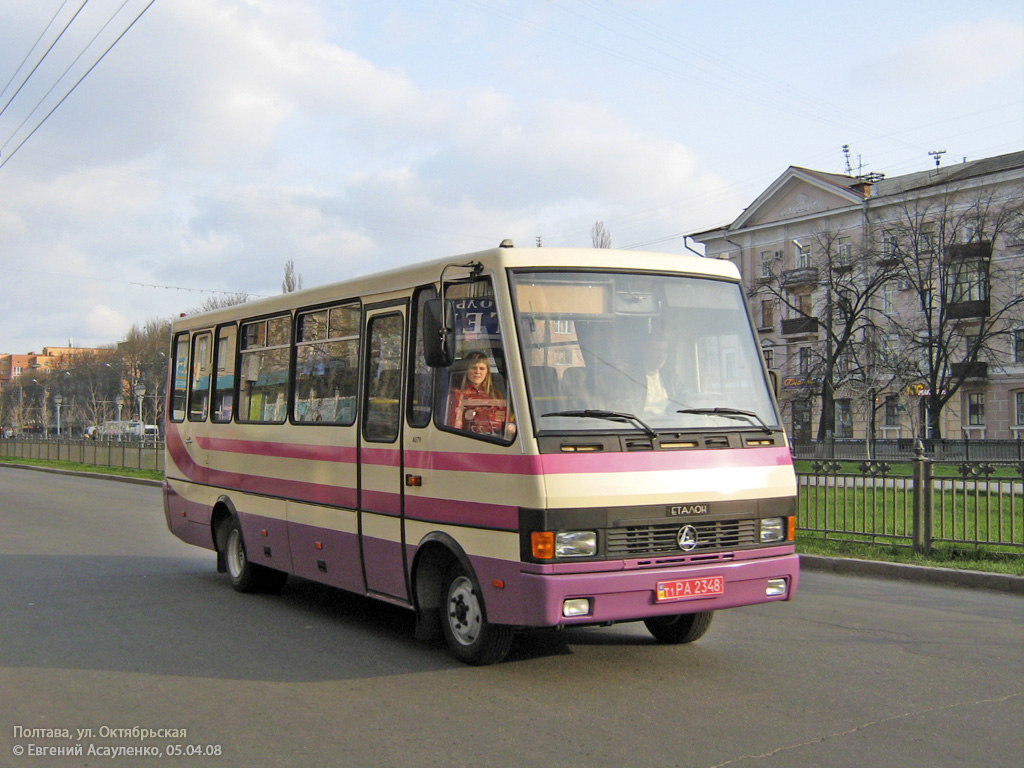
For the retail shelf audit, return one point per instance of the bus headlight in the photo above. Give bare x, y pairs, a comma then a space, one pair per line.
575, 544
773, 529
545, 545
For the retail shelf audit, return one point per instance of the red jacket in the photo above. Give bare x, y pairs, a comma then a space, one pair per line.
472, 410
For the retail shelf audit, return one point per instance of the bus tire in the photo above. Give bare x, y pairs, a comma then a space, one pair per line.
682, 628
470, 637
246, 576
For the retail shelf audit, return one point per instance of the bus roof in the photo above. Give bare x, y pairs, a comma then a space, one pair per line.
493, 259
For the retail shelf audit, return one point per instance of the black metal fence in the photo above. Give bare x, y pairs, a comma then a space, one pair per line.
915, 503
962, 449
146, 454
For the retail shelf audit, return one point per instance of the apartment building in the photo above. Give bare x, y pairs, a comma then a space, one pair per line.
889, 307
50, 359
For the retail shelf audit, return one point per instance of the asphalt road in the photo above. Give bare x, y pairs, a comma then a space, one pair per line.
110, 627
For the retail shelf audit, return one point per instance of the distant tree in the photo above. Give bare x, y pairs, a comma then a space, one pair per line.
292, 279
144, 360
599, 236
219, 301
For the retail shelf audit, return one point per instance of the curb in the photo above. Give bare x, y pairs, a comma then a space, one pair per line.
947, 576
78, 473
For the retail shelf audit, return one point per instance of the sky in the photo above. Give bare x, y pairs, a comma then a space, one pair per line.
218, 139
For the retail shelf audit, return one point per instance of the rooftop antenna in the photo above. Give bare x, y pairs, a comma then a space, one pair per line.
937, 154
846, 154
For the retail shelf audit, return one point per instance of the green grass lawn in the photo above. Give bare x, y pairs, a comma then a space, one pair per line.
145, 474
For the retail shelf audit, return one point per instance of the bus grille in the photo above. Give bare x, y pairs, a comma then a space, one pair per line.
653, 539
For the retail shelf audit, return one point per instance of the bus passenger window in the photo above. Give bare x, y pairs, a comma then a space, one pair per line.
180, 385
199, 394
264, 371
224, 376
326, 358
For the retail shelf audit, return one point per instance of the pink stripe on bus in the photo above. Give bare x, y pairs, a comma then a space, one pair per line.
551, 463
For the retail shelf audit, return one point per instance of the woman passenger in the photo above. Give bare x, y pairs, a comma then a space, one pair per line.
476, 405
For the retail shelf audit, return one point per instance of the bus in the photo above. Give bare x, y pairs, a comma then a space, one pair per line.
511, 440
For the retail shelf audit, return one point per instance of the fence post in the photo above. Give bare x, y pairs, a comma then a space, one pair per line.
922, 500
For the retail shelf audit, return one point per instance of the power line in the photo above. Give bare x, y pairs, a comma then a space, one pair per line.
5, 159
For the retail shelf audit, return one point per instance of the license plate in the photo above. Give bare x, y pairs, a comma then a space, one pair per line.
686, 589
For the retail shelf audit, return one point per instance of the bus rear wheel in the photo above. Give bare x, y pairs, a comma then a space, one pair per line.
470, 637
246, 576
682, 628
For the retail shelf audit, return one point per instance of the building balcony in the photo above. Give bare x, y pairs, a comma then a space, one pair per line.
975, 370
801, 276
799, 325
979, 249
968, 309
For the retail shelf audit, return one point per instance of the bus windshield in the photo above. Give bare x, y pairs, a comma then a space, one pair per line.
650, 352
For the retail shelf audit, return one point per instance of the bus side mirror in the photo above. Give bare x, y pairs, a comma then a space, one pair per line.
439, 332
773, 376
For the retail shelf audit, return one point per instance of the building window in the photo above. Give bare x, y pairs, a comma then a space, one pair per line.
803, 256
969, 281
1019, 398
1018, 346
767, 257
769, 356
892, 411
890, 246
767, 313
889, 297
804, 360
844, 252
976, 409
844, 418
563, 327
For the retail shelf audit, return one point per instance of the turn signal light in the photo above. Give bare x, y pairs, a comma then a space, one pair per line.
542, 544
791, 528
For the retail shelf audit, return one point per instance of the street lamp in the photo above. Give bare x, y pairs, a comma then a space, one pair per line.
58, 401
140, 393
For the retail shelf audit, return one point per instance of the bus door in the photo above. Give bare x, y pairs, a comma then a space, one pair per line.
381, 499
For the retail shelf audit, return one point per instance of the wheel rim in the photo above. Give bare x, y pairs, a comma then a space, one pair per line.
235, 553
465, 618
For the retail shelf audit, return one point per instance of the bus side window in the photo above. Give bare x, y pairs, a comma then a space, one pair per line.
199, 393
421, 376
180, 385
264, 370
382, 407
326, 359
224, 373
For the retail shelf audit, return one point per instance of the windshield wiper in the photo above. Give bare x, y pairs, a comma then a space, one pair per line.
728, 413
625, 418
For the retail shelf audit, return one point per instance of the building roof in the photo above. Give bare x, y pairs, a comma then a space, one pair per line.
855, 188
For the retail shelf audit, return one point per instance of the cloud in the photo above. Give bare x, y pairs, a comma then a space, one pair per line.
952, 58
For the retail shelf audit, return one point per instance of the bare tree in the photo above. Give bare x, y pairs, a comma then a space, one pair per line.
963, 302
292, 279
599, 236
219, 301
830, 297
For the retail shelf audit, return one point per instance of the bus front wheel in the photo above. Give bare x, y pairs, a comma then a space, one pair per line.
246, 576
683, 628
470, 637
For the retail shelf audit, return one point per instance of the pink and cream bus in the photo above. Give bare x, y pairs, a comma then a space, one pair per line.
508, 440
